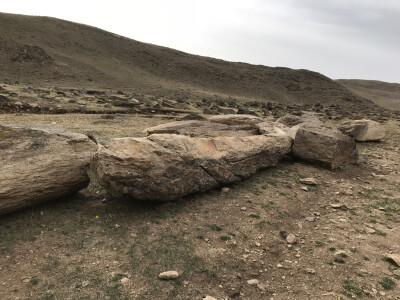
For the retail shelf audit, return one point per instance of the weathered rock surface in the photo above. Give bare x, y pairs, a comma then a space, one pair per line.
292, 120
39, 164
166, 166
322, 145
271, 128
202, 129
236, 119
363, 130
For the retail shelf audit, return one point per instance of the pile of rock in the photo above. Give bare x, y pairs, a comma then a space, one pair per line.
174, 160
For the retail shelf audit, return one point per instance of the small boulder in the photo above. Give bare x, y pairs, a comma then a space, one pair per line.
363, 130
322, 145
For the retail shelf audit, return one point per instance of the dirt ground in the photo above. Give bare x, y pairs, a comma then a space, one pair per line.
226, 244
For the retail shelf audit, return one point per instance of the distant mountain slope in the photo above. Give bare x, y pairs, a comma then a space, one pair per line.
53, 52
382, 93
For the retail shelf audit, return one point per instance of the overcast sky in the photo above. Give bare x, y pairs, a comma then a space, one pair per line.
339, 38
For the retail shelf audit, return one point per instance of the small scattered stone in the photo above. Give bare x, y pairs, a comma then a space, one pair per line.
117, 226
308, 181
304, 188
396, 272
124, 280
310, 219
310, 271
336, 205
85, 283
225, 190
395, 258
252, 282
209, 298
243, 208
291, 238
279, 266
168, 275
370, 230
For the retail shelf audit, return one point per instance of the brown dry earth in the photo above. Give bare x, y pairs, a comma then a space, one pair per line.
92, 247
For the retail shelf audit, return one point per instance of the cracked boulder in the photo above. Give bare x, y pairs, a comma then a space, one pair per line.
165, 167
363, 130
323, 145
197, 128
39, 164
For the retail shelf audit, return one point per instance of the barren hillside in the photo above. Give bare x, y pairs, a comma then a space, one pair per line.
51, 52
384, 94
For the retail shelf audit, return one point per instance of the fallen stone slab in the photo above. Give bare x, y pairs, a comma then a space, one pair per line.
363, 130
39, 164
165, 167
197, 128
232, 119
322, 145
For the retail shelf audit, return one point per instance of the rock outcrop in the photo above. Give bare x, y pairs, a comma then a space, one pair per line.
39, 164
322, 145
167, 166
196, 128
363, 130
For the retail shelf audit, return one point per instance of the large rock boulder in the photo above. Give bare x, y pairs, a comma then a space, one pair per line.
236, 119
322, 145
196, 128
39, 164
363, 130
167, 166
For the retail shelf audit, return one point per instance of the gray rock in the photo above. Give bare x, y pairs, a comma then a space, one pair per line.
236, 119
202, 129
322, 145
168, 275
41, 163
363, 130
166, 166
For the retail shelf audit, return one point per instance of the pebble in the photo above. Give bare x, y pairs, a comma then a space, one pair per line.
209, 298
370, 230
304, 188
252, 282
310, 219
394, 258
124, 280
309, 181
225, 190
291, 238
310, 271
85, 283
168, 275
243, 208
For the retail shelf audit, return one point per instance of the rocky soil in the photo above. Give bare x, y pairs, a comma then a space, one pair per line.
292, 231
